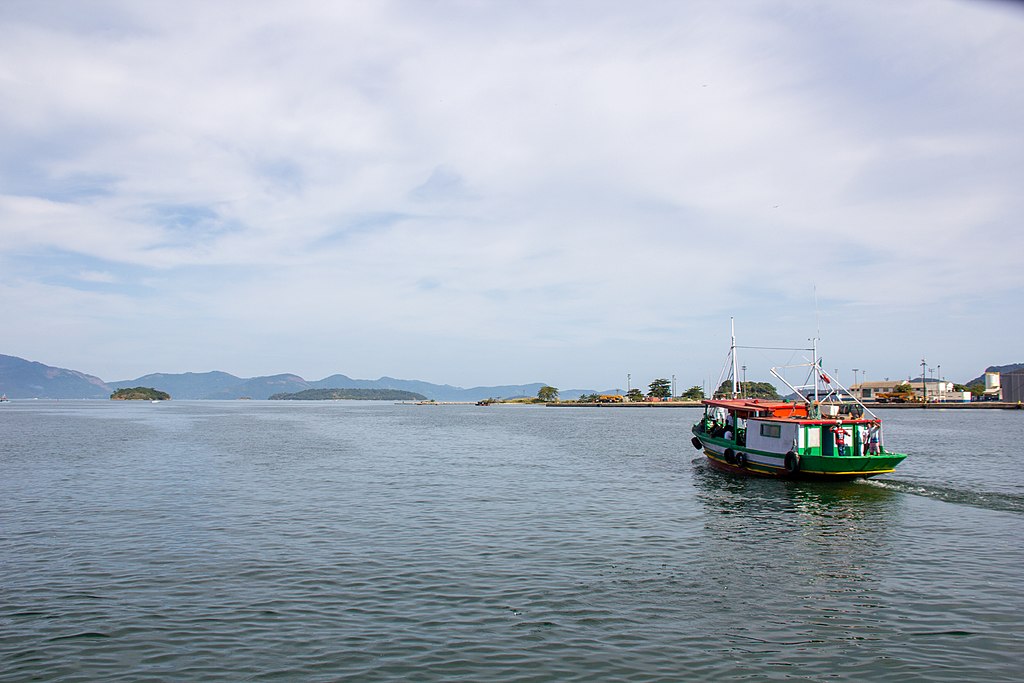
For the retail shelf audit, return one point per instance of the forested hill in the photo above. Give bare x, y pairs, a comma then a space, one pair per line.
350, 395
996, 368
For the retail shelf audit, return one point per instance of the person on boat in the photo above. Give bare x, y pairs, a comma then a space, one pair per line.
874, 443
840, 436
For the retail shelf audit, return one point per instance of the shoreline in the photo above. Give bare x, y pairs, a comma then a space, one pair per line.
974, 405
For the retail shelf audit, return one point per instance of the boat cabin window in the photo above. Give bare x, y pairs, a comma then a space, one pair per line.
773, 431
814, 437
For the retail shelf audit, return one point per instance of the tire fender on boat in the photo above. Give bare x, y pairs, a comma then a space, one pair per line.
792, 462
741, 460
696, 443
730, 456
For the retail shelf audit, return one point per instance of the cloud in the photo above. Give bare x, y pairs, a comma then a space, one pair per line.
567, 189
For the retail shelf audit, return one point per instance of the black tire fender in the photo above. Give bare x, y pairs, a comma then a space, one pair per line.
730, 456
696, 443
792, 462
741, 460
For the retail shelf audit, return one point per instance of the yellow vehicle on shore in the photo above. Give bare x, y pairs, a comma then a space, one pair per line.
897, 397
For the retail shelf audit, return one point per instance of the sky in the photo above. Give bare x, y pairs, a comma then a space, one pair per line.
484, 193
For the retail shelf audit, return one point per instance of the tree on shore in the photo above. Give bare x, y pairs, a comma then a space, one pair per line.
694, 393
660, 388
634, 395
547, 394
749, 390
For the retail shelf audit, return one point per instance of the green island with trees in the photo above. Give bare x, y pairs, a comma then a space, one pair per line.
140, 394
350, 395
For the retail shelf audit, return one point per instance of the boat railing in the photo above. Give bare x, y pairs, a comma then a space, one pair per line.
833, 394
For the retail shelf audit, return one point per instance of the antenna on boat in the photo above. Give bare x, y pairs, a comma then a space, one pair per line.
817, 317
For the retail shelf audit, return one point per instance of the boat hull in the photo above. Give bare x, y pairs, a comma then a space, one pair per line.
729, 457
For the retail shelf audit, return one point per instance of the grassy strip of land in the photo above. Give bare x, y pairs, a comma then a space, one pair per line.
349, 395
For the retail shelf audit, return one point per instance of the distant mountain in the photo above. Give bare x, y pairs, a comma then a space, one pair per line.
263, 387
20, 378
995, 368
438, 392
190, 385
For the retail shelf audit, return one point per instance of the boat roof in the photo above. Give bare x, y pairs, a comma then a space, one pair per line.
756, 407
788, 411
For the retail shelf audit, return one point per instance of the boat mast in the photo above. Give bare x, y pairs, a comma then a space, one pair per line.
732, 352
814, 365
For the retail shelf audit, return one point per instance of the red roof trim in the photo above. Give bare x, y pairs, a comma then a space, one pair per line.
789, 411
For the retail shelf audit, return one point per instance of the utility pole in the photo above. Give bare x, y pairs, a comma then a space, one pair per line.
673, 386
855, 371
629, 378
743, 387
924, 387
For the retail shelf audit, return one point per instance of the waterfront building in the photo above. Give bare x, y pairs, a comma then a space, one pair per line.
1011, 385
993, 389
868, 391
936, 390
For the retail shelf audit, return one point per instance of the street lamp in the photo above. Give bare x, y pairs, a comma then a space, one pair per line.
855, 371
743, 387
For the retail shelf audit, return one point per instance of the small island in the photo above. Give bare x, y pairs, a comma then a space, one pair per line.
350, 395
140, 394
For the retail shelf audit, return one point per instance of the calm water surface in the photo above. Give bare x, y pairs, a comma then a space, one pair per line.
353, 541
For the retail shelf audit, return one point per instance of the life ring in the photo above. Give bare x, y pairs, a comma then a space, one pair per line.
696, 443
730, 456
741, 460
792, 462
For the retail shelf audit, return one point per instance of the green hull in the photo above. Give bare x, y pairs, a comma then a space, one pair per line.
728, 456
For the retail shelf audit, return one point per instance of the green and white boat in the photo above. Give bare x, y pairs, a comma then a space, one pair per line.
824, 433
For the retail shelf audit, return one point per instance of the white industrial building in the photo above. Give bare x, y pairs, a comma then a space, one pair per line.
930, 389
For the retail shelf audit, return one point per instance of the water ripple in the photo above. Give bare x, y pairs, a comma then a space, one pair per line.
326, 542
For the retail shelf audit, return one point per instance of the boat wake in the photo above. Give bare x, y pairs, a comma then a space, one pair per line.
1002, 502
